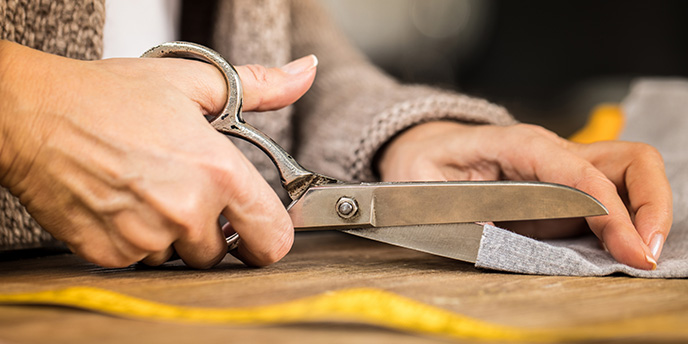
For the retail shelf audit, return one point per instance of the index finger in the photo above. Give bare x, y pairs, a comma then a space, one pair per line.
532, 155
256, 213
637, 170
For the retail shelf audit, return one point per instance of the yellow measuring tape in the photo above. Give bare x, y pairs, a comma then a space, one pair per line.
606, 122
368, 306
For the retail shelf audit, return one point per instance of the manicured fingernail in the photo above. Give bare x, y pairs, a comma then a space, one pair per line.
301, 65
651, 261
656, 244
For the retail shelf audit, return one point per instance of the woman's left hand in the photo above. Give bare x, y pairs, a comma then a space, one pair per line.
628, 178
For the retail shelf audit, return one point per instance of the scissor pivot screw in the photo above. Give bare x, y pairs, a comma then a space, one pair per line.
346, 207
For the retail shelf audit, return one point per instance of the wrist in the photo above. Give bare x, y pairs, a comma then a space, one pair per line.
403, 144
7, 51
24, 81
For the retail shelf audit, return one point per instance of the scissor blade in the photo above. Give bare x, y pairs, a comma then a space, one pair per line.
405, 204
456, 240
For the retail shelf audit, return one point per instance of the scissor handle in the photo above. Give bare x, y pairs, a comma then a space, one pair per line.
295, 179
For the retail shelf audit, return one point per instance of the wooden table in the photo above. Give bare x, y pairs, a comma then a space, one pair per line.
326, 261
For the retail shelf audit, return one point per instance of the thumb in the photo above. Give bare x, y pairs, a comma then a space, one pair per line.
264, 88
274, 88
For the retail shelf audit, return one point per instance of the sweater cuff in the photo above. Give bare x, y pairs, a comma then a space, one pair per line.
438, 106
18, 230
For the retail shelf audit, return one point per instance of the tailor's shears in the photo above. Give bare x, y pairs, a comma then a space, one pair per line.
433, 217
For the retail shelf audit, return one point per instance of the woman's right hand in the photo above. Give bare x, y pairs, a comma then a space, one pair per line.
115, 158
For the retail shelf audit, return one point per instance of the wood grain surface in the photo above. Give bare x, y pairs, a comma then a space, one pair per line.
326, 261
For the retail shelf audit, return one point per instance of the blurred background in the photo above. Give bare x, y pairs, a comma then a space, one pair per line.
548, 62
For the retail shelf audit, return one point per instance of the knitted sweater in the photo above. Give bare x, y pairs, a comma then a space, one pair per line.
336, 129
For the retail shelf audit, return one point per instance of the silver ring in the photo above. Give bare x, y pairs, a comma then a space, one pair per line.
232, 242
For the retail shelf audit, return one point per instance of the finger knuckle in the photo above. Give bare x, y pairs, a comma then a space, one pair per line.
154, 260
284, 242
191, 230
538, 131
99, 248
137, 233
186, 217
151, 245
259, 73
206, 264
527, 128
647, 152
526, 135
279, 246
108, 258
243, 196
596, 179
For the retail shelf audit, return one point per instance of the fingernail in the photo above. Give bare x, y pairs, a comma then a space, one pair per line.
301, 65
651, 261
656, 244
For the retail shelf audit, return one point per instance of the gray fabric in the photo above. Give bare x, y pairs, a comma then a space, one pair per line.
656, 113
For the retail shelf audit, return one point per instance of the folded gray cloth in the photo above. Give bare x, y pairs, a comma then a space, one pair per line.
656, 113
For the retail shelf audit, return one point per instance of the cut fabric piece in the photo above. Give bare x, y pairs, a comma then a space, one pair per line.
656, 113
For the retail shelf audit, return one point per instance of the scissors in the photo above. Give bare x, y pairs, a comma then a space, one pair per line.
434, 217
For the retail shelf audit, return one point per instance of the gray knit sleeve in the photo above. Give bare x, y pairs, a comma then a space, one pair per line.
353, 108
